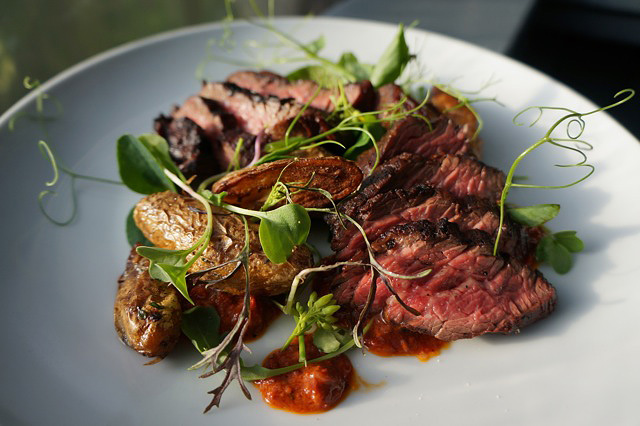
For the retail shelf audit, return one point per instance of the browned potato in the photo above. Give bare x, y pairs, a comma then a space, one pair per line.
461, 116
172, 221
147, 312
249, 188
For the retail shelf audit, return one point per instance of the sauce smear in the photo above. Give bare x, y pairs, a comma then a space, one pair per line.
262, 311
384, 339
316, 388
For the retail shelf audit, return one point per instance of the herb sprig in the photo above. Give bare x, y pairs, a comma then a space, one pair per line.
550, 249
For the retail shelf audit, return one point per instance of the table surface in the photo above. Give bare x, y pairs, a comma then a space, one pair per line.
40, 38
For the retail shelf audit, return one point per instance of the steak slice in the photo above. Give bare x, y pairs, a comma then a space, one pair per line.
360, 95
205, 114
417, 136
380, 213
460, 175
255, 113
189, 146
469, 292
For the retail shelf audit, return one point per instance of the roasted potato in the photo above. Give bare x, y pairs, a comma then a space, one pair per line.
250, 187
147, 312
462, 116
175, 222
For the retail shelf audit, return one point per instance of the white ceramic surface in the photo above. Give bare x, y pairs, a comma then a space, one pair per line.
61, 362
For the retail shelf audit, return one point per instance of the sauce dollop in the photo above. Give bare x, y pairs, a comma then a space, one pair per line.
262, 310
316, 388
384, 339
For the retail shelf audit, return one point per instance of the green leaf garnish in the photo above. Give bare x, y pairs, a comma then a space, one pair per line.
141, 166
159, 149
556, 250
200, 324
392, 62
534, 215
317, 312
570, 240
350, 63
282, 229
326, 340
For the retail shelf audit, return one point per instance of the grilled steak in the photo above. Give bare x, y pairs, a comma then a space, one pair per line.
469, 291
458, 174
206, 114
380, 213
360, 95
415, 135
255, 113
189, 147
147, 312
171, 221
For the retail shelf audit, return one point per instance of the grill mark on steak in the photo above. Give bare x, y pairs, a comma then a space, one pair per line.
255, 113
469, 292
360, 95
383, 211
415, 135
459, 175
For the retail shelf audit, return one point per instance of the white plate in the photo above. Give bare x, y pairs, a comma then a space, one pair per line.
61, 360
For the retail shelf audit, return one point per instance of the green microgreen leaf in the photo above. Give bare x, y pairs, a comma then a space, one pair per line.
349, 62
134, 235
534, 215
316, 45
556, 250
570, 240
572, 120
215, 199
201, 324
172, 265
140, 170
323, 76
393, 60
282, 229
326, 340
317, 312
159, 148
364, 140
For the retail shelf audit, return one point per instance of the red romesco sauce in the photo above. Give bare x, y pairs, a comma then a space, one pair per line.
316, 388
262, 311
389, 340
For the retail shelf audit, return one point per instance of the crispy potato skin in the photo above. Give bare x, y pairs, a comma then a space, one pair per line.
250, 187
172, 221
150, 330
445, 103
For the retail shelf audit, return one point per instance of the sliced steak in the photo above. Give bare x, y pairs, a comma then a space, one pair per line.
469, 291
380, 213
190, 148
417, 136
360, 95
460, 175
255, 113
205, 114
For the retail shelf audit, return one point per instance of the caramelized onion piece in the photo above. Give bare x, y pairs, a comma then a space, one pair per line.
250, 187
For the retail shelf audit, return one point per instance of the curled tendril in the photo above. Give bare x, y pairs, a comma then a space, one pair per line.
46, 152
58, 167
572, 118
74, 205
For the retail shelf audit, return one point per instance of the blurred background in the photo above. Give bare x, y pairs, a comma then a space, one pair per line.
587, 44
